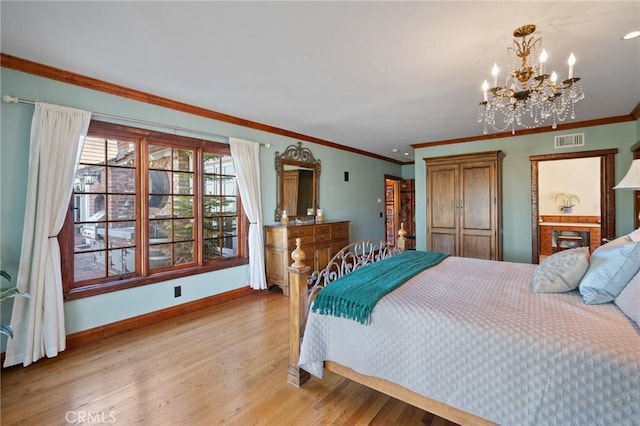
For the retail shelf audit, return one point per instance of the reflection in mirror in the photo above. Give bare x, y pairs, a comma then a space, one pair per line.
298, 174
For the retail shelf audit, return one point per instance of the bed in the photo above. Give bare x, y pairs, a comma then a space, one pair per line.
468, 340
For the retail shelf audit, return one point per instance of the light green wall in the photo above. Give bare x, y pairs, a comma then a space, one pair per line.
356, 200
517, 179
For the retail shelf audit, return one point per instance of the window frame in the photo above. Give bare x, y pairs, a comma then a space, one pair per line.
143, 276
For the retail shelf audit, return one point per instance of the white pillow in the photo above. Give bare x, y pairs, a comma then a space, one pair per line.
612, 267
561, 272
629, 299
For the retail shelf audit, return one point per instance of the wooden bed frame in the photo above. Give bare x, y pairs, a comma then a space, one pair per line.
303, 286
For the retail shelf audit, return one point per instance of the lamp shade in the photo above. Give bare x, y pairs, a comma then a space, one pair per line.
632, 179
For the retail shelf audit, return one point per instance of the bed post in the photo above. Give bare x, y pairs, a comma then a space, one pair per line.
298, 274
402, 238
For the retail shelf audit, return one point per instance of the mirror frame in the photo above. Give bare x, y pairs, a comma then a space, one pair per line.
295, 155
607, 193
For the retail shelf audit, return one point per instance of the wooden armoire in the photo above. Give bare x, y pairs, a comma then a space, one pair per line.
464, 205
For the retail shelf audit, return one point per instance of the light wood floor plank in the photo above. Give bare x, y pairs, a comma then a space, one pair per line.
226, 364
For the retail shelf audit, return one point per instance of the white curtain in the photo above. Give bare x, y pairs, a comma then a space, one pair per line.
247, 164
57, 137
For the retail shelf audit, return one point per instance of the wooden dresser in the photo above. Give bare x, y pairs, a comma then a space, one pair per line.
320, 241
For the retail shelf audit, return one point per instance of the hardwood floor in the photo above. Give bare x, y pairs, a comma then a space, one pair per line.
224, 364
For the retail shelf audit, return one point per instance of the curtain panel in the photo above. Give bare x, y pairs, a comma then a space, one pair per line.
247, 164
57, 138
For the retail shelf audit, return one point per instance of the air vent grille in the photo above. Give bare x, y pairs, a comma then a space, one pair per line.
566, 141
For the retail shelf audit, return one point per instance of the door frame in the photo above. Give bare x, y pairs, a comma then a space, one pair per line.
607, 193
396, 204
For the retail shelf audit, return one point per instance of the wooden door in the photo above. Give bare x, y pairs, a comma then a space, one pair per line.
478, 210
443, 208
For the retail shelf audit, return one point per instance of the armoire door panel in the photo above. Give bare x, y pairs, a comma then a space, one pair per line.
478, 246
443, 243
477, 196
444, 206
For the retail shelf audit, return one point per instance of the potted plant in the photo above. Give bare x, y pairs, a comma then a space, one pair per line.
567, 201
9, 293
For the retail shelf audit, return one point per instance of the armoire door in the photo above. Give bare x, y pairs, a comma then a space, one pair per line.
478, 210
443, 208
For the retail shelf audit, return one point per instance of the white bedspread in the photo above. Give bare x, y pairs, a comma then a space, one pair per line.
471, 333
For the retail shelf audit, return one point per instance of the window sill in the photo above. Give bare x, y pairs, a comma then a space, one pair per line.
117, 285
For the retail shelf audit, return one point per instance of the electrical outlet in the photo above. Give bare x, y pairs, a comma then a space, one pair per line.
177, 291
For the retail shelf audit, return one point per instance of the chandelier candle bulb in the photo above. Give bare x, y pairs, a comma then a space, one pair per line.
543, 58
485, 87
494, 73
572, 62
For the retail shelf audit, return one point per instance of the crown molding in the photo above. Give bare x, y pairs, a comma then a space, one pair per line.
52, 73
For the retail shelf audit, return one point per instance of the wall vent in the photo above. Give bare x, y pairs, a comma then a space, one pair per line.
566, 141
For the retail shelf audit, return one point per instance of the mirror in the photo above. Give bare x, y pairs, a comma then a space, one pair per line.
298, 174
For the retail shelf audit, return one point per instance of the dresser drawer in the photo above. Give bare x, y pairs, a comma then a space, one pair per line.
339, 231
304, 232
322, 233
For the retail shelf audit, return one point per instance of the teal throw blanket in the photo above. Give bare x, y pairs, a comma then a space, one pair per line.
354, 296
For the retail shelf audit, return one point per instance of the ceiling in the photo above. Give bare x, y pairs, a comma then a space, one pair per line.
375, 76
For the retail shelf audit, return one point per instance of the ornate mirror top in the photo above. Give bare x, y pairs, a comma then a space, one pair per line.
298, 153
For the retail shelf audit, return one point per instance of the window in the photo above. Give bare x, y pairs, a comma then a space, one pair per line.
147, 207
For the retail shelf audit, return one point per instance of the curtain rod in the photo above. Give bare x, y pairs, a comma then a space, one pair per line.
16, 100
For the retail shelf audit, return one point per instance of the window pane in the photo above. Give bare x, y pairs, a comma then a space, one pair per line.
183, 160
229, 205
212, 185
211, 227
159, 182
121, 261
183, 253
89, 179
183, 230
93, 233
183, 183
182, 206
79, 241
212, 206
159, 157
230, 246
89, 266
121, 207
160, 256
121, 153
211, 249
227, 168
93, 151
228, 185
122, 180
230, 225
121, 234
159, 231
89, 207
211, 163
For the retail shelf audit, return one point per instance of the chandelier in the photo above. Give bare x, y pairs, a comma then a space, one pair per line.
529, 97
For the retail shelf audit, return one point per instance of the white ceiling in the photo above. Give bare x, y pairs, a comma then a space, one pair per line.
369, 75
